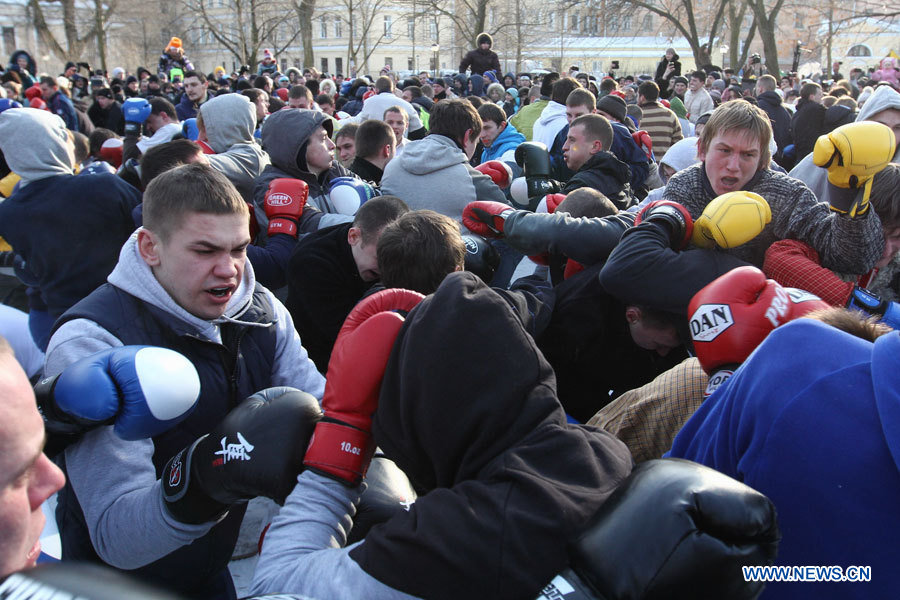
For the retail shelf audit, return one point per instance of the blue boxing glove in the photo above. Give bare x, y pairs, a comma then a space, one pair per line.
136, 111
142, 390
869, 304
190, 130
347, 194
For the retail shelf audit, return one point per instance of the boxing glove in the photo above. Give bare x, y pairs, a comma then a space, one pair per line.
674, 217
534, 159
486, 218
864, 301
853, 154
6, 103
733, 314
498, 171
98, 167
135, 112
284, 202
37, 103
142, 390
481, 258
190, 130
553, 201
342, 445
535, 162
257, 450
112, 152
644, 142
730, 220
347, 194
695, 528
388, 492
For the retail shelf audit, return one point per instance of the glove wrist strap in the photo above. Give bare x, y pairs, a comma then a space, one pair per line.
185, 502
340, 451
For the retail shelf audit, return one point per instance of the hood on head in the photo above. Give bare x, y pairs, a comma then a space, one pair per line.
32, 66
484, 37
35, 143
286, 132
477, 84
682, 154
229, 119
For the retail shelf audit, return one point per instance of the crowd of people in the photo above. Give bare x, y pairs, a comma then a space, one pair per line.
450, 324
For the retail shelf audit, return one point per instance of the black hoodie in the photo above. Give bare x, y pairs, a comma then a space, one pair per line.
469, 411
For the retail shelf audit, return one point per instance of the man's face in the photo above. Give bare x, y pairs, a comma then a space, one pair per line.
489, 132
438, 88
145, 85
407, 95
47, 91
484, 45
104, 102
680, 88
573, 112
577, 149
364, 255
524, 82
662, 341
70, 71
397, 122
156, 122
891, 247
891, 118
328, 109
301, 102
262, 106
27, 477
202, 263
695, 84
194, 89
318, 152
339, 79
346, 149
22, 62
731, 160
817, 97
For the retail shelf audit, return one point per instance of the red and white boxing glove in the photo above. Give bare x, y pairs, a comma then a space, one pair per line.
733, 314
342, 445
644, 142
498, 171
284, 204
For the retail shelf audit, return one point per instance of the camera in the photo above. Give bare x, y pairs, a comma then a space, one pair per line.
755, 59
614, 65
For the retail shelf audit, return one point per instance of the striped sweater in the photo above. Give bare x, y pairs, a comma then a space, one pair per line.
663, 127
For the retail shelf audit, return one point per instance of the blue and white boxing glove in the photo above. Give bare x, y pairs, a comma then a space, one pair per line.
347, 194
136, 111
869, 304
141, 390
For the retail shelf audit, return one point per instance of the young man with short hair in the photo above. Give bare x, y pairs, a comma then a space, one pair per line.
58, 103
375, 143
195, 94
345, 143
183, 281
330, 271
586, 152
499, 137
398, 121
659, 122
300, 97
696, 99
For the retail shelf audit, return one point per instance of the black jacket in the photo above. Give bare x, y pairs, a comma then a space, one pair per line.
505, 484
366, 170
606, 174
663, 82
323, 287
780, 118
807, 124
480, 61
111, 118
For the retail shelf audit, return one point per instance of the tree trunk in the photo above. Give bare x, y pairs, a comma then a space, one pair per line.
305, 10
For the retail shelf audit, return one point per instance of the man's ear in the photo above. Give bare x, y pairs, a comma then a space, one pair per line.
596, 146
632, 314
354, 236
148, 246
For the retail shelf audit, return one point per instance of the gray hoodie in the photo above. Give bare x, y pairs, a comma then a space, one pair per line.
816, 177
114, 479
229, 121
433, 173
19, 129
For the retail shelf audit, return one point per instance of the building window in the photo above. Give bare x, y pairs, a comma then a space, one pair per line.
339, 65
221, 3
410, 64
337, 28
324, 65
323, 30
859, 50
648, 22
626, 23
389, 62
551, 20
432, 30
798, 21
573, 22
410, 27
387, 27
613, 23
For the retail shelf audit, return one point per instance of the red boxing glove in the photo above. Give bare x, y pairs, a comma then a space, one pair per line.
644, 142
284, 204
498, 171
342, 445
486, 218
732, 315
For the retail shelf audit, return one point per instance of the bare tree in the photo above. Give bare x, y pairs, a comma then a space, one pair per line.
304, 10
243, 27
364, 35
93, 25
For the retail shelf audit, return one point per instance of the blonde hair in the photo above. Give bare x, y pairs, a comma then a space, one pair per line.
742, 116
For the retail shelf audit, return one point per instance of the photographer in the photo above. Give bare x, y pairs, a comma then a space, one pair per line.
667, 68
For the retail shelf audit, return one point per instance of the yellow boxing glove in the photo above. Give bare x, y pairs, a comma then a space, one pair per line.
853, 154
730, 220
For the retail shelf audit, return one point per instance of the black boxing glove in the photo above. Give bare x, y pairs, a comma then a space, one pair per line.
388, 492
673, 529
481, 258
257, 450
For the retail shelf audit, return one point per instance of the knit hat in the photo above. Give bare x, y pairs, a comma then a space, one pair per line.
612, 105
680, 79
512, 92
130, 79
69, 65
175, 42
719, 84
490, 76
105, 92
267, 53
